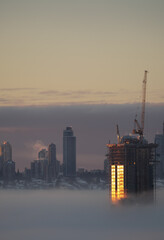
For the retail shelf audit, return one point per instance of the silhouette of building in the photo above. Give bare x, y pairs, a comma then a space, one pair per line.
69, 153
57, 167
52, 153
52, 171
1, 162
35, 173
9, 171
106, 169
39, 169
43, 154
130, 167
27, 174
7, 166
159, 140
47, 167
6, 151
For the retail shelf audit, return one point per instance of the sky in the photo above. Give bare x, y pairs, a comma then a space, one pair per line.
69, 51
79, 63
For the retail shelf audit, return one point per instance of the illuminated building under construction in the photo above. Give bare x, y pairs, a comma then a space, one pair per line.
130, 167
131, 161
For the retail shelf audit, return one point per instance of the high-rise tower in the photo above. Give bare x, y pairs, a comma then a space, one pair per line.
52, 153
5, 154
7, 166
43, 154
6, 151
69, 153
52, 160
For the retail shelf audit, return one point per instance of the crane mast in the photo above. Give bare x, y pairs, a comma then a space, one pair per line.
140, 127
143, 102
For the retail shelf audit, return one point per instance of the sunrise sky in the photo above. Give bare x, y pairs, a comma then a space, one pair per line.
78, 51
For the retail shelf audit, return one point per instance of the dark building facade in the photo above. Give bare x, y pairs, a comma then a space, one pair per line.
130, 167
9, 171
47, 167
106, 169
7, 166
52, 165
39, 169
69, 153
43, 154
159, 140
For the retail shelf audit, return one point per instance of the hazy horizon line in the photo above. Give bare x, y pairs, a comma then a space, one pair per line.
80, 104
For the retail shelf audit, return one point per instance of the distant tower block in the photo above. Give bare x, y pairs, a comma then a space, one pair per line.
43, 154
52, 160
6, 151
52, 154
69, 153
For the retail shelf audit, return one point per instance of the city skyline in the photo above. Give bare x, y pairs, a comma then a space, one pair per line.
32, 129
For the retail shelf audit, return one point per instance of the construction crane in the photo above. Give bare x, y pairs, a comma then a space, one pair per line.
140, 127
